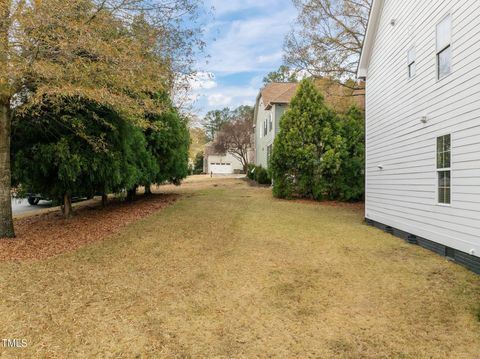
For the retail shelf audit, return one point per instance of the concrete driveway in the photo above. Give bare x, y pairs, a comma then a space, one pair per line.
20, 205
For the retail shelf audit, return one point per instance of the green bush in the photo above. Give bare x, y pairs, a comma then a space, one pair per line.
262, 176
68, 146
198, 163
258, 174
318, 154
78, 148
251, 171
168, 141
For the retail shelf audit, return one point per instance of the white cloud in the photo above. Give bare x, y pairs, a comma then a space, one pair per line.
230, 96
277, 56
252, 44
219, 99
203, 80
248, 35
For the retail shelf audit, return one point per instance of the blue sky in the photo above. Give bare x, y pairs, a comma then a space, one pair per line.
244, 42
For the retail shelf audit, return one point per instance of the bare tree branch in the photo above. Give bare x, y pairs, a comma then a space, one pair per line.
235, 136
328, 36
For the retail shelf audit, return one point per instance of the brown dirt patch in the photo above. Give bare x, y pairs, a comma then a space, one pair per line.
47, 235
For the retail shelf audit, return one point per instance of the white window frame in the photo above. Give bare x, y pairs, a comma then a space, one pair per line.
439, 50
443, 169
270, 123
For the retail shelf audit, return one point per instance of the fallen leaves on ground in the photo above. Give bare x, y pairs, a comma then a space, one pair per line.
46, 235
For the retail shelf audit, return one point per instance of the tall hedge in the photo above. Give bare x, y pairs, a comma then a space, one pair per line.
76, 147
350, 181
169, 141
317, 153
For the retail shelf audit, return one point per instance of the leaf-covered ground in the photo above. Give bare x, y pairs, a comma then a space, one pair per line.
48, 234
229, 272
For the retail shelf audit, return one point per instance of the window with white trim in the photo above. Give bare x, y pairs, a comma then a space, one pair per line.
265, 130
444, 48
270, 123
444, 169
411, 62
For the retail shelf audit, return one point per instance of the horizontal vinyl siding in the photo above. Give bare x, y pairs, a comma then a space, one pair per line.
403, 195
262, 141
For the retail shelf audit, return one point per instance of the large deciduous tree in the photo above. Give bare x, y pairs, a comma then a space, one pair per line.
283, 74
328, 37
112, 52
214, 120
235, 137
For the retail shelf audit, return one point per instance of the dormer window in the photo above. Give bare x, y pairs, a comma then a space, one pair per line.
444, 48
411, 61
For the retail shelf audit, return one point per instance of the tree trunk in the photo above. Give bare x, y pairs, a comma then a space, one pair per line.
104, 200
131, 193
245, 165
6, 219
67, 206
148, 190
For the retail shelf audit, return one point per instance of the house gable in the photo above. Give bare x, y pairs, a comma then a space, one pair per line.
370, 36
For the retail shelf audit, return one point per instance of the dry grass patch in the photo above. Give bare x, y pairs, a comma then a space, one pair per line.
229, 272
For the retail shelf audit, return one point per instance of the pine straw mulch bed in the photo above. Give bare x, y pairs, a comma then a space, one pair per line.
47, 235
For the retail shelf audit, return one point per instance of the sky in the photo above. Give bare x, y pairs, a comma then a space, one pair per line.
244, 43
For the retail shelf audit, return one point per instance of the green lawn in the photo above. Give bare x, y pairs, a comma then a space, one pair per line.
229, 272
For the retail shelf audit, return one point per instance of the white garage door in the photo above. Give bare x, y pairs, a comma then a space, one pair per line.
221, 168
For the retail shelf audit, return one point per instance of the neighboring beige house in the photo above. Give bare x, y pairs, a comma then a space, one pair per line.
223, 164
272, 102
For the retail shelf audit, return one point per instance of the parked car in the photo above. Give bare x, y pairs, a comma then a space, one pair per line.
35, 198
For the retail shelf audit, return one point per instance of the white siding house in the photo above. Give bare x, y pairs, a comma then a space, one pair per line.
421, 63
271, 103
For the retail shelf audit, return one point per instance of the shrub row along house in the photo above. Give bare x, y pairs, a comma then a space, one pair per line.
421, 65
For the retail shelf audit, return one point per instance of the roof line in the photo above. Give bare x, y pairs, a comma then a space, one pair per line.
368, 41
283, 93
